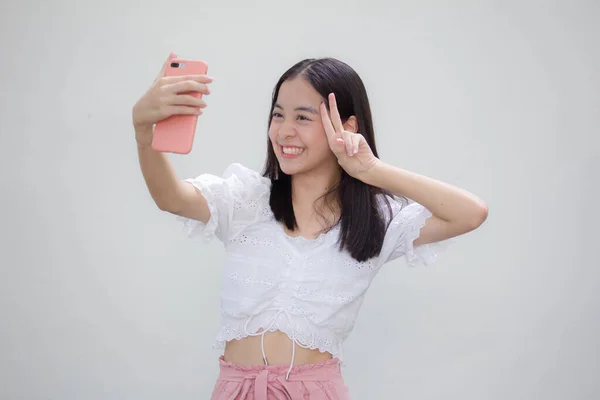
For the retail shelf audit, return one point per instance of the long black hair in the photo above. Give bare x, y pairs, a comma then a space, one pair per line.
363, 224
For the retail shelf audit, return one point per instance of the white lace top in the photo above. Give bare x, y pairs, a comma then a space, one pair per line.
306, 288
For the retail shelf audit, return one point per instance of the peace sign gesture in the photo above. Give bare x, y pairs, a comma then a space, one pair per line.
351, 149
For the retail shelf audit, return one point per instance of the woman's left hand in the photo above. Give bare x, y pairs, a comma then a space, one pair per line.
351, 149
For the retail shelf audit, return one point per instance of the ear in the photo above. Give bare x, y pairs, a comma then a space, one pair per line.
351, 124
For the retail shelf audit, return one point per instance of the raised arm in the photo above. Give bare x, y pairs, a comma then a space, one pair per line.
162, 100
454, 211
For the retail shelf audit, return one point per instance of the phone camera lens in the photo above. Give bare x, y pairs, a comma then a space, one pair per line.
175, 65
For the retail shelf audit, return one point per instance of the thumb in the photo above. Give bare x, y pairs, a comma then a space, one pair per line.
166, 65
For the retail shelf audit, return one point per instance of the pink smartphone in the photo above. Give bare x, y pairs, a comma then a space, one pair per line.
175, 134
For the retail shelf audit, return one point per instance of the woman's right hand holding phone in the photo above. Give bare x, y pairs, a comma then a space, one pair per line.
167, 96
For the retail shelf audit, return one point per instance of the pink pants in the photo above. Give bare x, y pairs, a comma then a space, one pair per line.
322, 381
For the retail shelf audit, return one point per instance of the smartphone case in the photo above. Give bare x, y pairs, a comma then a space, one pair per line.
175, 134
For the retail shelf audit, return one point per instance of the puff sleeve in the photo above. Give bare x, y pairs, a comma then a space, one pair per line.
404, 227
235, 199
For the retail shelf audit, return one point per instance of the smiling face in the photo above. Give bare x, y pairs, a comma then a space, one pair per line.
296, 131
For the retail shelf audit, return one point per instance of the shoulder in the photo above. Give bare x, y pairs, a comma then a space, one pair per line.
249, 190
245, 173
238, 180
400, 212
404, 223
237, 198
238, 187
246, 177
390, 205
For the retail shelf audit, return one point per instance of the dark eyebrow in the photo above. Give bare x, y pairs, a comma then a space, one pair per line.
309, 109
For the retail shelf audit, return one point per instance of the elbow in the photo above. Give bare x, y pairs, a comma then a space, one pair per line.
166, 205
479, 215
163, 206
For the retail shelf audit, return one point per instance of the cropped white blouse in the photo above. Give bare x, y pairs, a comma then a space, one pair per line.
303, 287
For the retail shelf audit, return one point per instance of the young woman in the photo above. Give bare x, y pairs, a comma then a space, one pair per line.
304, 238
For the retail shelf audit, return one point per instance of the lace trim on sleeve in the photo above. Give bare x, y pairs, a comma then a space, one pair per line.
408, 218
195, 228
425, 254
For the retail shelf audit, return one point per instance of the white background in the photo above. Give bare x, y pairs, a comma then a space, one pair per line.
102, 296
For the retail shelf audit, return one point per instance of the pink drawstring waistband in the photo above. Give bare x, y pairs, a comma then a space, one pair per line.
277, 378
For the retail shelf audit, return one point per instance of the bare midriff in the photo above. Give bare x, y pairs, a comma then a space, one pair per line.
278, 350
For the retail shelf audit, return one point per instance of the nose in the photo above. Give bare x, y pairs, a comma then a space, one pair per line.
286, 131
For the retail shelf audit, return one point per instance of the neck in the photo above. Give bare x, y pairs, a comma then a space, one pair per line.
308, 190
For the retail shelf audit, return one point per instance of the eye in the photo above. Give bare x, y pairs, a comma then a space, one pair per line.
277, 115
303, 118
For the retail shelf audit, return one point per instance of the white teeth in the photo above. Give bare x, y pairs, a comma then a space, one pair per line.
292, 150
